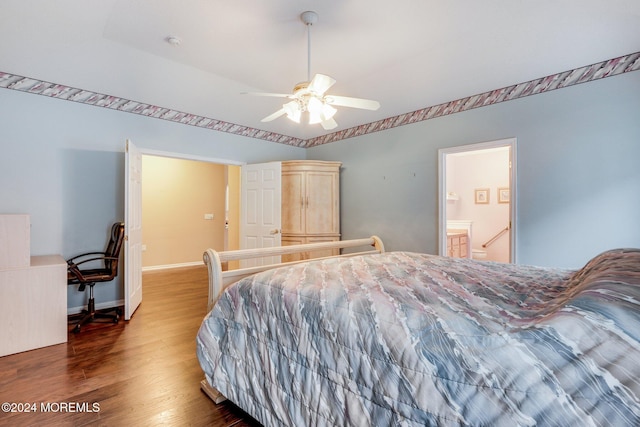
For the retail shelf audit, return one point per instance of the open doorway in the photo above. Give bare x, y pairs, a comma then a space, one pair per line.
133, 219
477, 200
187, 206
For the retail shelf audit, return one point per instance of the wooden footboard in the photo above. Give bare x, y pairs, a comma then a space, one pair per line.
211, 392
219, 279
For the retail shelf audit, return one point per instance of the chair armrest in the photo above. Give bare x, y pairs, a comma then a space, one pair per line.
101, 258
71, 260
75, 271
73, 267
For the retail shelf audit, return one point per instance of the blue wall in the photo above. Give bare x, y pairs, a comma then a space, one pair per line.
578, 172
578, 175
63, 163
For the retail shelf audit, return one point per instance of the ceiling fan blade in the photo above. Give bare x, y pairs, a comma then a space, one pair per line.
346, 101
329, 124
320, 83
274, 116
277, 95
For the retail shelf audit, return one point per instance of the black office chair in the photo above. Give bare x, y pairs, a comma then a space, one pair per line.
99, 267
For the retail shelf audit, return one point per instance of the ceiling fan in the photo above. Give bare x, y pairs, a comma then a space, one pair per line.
310, 97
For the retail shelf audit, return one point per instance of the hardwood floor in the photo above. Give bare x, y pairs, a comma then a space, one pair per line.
138, 373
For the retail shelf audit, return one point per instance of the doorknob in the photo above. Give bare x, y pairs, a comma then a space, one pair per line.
274, 231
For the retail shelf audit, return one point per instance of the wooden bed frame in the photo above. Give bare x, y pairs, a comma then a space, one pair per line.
219, 279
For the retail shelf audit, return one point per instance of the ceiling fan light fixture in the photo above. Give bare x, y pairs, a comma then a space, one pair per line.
309, 97
314, 119
319, 111
293, 111
328, 111
314, 107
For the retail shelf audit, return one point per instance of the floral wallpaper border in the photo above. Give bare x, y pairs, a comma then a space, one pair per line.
612, 67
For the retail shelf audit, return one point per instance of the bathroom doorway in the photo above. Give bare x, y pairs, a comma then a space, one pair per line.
477, 201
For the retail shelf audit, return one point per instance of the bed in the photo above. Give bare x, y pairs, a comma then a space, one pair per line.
402, 338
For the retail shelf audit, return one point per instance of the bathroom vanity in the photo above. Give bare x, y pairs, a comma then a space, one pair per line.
457, 243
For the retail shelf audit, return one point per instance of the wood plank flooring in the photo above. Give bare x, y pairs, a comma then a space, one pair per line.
138, 373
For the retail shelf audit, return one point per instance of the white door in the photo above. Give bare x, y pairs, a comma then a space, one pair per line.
260, 209
133, 230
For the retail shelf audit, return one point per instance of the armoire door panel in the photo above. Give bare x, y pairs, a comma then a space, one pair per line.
321, 216
293, 203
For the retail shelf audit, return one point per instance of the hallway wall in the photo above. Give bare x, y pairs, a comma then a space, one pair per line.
176, 195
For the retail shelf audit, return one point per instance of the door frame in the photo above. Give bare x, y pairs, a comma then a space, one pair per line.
442, 189
183, 156
136, 211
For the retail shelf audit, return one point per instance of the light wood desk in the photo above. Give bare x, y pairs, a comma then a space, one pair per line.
33, 291
33, 305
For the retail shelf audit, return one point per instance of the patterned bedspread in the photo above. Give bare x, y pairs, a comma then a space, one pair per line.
411, 339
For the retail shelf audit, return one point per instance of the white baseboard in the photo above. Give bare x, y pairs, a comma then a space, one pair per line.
170, 266
99, 306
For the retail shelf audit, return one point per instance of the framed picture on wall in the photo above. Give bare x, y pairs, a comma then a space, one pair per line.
503, 195
482, 196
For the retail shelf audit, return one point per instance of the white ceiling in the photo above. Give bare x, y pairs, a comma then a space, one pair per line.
407, 54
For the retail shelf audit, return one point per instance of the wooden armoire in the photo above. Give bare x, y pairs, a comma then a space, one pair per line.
310, 205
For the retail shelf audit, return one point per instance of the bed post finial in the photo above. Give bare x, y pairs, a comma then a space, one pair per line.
214, 267
377, 243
